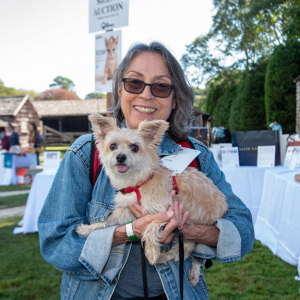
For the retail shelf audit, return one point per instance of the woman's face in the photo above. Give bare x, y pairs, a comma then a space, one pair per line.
31, 129
150, 68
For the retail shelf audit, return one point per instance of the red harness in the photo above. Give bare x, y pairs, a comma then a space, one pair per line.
135, 189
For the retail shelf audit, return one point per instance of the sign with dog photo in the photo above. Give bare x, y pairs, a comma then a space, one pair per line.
107, 15
107, 58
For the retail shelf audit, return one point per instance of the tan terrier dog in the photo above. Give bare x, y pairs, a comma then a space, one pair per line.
130, 160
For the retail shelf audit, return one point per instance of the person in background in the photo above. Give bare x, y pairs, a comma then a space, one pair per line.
35, 139
219, 134
149, 85
275, 126
9, 137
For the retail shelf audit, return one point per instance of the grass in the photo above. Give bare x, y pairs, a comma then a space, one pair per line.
25, 275
13, 201
8, 188
259, 275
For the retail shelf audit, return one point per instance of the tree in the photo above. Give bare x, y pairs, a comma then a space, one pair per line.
95, 96
252, 97
63, 83
242, 32
8, 91
280, 94
57, 94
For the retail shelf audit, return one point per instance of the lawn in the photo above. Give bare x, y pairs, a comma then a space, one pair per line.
25, 275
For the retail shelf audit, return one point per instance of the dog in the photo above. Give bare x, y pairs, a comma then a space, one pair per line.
130, 159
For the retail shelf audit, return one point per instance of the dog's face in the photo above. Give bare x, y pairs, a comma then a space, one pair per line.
128, 156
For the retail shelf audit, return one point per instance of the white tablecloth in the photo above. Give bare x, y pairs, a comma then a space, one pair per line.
278, 220
8, 175
247, 184
39, 190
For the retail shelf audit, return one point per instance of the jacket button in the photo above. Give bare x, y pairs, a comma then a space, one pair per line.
115, 281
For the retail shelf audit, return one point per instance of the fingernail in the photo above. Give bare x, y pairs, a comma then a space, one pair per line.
170, 213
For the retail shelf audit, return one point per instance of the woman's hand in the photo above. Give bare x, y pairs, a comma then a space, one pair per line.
205, 234
177, 217
139, 226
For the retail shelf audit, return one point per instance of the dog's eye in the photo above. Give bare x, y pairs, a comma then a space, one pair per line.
113, 147
134, 148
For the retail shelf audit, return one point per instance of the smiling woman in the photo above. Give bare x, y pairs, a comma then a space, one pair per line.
149, 85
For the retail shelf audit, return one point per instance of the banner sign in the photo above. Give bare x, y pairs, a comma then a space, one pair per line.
107, 58
107, 14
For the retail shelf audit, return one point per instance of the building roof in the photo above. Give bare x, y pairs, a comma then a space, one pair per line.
11, 105
56, 108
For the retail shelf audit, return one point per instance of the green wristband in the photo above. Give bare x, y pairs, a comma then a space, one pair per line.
129, 232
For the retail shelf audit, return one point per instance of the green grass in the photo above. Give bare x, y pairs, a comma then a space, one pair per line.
13, 201
259, 275
8, 188
24, 274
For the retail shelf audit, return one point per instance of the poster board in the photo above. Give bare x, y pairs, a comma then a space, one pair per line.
108, 55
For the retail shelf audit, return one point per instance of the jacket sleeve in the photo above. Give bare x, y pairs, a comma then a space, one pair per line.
236, 236
64, 210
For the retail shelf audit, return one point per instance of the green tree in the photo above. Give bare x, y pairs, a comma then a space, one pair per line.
9, 91
95, 96
242, 32
252, 97
63, 83
280, 94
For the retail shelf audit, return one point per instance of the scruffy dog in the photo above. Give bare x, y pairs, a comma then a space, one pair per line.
129, 158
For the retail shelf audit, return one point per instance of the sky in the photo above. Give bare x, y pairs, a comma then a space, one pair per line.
43, 39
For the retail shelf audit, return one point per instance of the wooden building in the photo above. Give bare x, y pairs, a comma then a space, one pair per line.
19, 111
65, 120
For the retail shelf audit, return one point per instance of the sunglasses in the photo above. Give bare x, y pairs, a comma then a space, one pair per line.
136, 86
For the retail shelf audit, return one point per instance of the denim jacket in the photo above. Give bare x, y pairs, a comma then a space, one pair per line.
90, 266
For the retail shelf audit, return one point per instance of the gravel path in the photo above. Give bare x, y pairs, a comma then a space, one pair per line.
12, 212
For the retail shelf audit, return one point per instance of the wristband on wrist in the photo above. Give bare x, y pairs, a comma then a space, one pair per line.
129, 232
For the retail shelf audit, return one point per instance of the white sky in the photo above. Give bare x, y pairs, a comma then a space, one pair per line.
42, 39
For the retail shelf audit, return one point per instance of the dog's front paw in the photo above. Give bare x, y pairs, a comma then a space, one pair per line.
195, 273
84, 229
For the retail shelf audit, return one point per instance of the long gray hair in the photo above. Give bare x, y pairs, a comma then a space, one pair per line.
181, 115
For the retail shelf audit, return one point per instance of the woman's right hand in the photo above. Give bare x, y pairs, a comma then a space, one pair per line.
139, 226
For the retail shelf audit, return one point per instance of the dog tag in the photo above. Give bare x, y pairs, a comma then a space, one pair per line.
180, 161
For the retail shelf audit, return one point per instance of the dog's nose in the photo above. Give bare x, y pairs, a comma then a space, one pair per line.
121, 158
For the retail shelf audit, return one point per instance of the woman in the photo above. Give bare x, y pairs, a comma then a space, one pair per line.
106, 264
10, 137
35, 139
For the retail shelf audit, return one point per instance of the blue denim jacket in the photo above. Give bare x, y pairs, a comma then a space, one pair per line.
90, 266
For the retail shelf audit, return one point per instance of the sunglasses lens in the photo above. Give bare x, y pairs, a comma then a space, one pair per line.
161, 90
134, 86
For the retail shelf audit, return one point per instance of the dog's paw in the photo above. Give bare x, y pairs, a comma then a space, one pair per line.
195, 273
84, 229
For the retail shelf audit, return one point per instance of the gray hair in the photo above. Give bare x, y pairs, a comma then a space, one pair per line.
181, 116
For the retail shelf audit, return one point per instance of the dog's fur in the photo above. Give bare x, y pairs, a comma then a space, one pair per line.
197, 192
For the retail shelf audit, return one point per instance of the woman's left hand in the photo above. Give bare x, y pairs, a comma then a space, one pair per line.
178, 220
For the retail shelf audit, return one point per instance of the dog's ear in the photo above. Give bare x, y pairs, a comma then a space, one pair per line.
153, 131
102, 125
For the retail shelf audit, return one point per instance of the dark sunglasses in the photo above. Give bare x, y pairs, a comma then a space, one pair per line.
136, 86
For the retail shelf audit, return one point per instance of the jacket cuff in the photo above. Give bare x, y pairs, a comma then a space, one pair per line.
229, 244
102, 260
